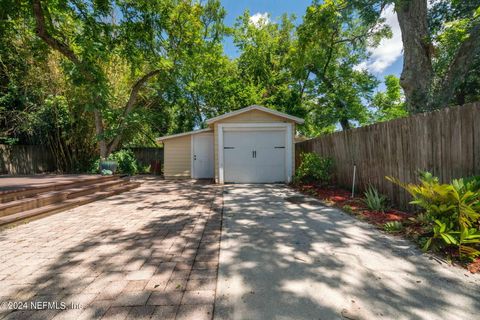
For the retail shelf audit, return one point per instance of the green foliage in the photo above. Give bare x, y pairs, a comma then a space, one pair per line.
145, 169
423, 218
390, 103
450, 23
332, 42
94, 167
452, 211
307, 69
347, 208
265, 65
127, 163
314, 168
374, 200
393, 226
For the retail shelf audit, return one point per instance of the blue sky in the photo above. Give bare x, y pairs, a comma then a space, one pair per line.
386, 59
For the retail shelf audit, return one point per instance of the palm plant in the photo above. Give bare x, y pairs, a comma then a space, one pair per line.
453, 210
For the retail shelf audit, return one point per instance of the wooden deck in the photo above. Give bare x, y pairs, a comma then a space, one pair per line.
26, 197
8, 182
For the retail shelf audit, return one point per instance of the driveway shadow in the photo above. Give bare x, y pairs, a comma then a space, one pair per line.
86, 255
283, 260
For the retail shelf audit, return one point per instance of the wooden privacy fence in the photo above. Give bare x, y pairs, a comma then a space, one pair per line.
25, 159
444, 142
148, 156
31, 159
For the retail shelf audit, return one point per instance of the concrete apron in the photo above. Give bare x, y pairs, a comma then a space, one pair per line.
293, 258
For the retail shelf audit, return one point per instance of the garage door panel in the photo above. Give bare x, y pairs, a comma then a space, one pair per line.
237, 160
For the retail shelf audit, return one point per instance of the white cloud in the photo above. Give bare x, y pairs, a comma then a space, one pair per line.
361, 66
260, 19
389, 50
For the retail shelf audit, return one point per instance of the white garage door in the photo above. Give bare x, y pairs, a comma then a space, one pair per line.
254, 156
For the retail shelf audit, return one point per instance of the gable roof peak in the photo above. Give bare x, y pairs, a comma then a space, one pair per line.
254, 107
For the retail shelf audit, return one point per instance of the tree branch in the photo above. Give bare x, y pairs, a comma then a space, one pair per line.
129, 107
41, 30
65, 50
463, 60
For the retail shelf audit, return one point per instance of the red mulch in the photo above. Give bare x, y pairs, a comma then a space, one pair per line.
474, 267
340, 197
384, 217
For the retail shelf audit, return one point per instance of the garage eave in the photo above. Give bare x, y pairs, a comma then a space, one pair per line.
178, 135
255, 107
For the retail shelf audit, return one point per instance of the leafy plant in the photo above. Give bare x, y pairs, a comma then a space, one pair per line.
347, 208
144, 169
126, 161
453, 210
423, 218
314, 168
374, 200
393, 226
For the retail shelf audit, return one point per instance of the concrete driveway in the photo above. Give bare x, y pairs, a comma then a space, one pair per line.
295, 259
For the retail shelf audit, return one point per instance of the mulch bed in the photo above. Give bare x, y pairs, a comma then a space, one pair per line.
342, 199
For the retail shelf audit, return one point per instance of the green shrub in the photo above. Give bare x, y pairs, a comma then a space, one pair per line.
314, 168
453, 212
94, 167
144, 169
423, 218
393, 226
374, 200
347, 208
127, 163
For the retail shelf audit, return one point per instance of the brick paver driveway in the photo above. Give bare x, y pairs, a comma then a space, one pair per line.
148, 253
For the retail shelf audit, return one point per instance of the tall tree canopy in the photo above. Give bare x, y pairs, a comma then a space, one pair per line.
441, 45
87, 77
114, 49
332, 41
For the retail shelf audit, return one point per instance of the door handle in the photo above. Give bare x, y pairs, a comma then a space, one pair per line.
254, 154
194, 157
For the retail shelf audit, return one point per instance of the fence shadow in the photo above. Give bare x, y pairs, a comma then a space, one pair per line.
281, 260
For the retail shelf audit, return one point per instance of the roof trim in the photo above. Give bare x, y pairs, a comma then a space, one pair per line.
254, 107
178, 135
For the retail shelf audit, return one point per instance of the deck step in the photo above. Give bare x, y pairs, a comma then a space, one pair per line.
51, 197
22, 193
43, 211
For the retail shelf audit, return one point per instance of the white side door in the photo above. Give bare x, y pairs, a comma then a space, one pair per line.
202, 156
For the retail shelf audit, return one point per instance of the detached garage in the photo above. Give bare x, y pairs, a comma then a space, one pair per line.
250, 145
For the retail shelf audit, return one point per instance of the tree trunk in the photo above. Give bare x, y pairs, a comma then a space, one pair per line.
417, 73
65, 50
112, 146
345, 124
102, 145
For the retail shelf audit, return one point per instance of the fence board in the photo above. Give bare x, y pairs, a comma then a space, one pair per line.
25, 159
444, 142
32, 159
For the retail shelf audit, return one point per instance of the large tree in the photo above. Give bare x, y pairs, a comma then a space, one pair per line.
265, 61
332, 40
150, 37
425, 87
